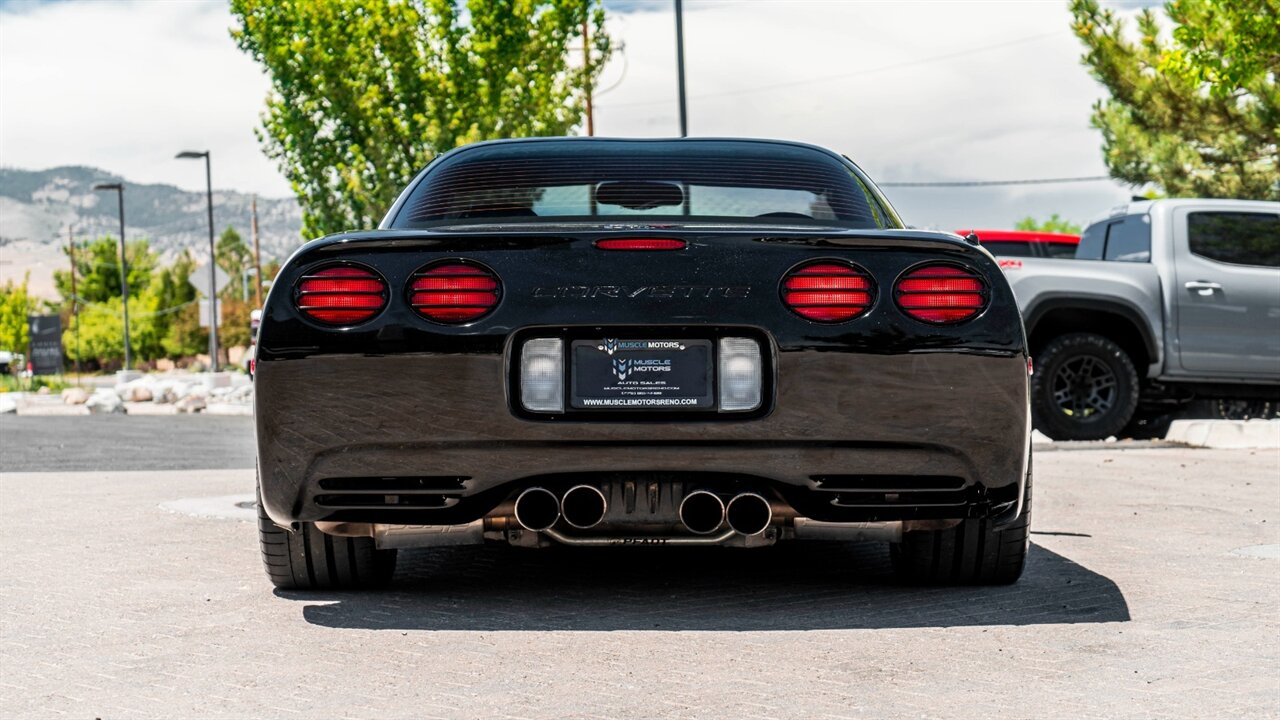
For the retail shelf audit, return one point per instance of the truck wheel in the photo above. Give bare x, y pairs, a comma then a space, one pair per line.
1084, 388
311, 560
971, 553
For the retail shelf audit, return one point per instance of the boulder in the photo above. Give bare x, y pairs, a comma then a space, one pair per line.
105, 402
137, 393
164, 394
190, 404
8, 403
75, 396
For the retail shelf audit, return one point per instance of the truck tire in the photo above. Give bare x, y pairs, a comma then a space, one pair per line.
1084, 388
311, 560
971, 553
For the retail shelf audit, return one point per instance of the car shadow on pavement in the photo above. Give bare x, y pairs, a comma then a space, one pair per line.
799, 586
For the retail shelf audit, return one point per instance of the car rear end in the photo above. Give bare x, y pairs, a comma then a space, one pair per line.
669, 380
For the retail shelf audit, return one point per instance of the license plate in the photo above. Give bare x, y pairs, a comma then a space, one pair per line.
614, 374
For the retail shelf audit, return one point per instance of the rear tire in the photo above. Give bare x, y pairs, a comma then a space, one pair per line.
971, 553
311, 560
1084, 388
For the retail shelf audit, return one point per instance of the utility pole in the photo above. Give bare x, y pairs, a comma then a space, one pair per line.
684, 118
586, 63
75, 297
257, 254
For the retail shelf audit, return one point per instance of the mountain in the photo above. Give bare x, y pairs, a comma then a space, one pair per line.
37, 206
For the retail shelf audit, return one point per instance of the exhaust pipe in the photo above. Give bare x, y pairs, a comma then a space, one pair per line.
537, 509
749, 514
583, 506
702, 512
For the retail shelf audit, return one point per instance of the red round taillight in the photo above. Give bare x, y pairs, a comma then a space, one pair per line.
341, 294
828, 291
454, 292
941, 293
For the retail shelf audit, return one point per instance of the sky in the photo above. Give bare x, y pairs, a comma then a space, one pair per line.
911, 91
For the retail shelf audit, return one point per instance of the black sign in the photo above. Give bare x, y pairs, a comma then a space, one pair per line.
46, 344
612, 374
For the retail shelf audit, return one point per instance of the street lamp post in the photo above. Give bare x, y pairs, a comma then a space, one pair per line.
684, 117
213, 258
124, 269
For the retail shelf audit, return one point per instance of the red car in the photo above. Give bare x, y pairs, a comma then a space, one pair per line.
1024, 243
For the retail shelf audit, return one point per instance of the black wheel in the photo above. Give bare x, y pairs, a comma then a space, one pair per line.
971, 553
311, 560
1084, 388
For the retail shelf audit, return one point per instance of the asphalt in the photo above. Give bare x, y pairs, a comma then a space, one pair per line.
1151, 591
123, 443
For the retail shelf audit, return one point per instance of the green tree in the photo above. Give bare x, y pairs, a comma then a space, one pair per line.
233, 256
1195, 116
183, 335
15, 306
1054, 224
1226, 45
98, 270
366, 92
234, 330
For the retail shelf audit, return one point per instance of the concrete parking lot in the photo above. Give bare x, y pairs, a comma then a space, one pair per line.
1152, 590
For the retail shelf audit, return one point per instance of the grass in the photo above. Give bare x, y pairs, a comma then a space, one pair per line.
13, 383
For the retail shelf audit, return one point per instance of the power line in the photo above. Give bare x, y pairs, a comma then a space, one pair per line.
988, 183
855, 73
162, 311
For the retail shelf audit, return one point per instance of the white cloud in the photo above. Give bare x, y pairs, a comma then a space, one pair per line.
124, 85
1018, 110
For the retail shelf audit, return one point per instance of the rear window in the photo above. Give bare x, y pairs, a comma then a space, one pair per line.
1008, 248
1059, 250
678, 181
1235, 237
1125, 239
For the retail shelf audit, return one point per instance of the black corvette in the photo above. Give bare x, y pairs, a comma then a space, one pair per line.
575, 341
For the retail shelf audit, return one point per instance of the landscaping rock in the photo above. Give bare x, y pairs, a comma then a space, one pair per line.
105, 402
75, 396
137, 393
190, 404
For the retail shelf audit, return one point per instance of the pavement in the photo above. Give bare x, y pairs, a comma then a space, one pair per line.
124, 442
1152, 590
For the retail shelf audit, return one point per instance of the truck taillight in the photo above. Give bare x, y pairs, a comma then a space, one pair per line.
454, 292
341, 294
828, 291
941, 293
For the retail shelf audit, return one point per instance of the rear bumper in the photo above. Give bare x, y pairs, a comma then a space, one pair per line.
431, 439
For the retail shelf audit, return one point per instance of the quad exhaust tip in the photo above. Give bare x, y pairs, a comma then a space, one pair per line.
702, 512
583, 506
537, 509
749, 514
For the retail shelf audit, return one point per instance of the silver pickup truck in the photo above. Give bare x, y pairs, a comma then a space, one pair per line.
1166, 302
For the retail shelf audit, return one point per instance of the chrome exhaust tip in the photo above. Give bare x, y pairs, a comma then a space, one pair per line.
537, 509
702, 512
748, 514
583, 506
